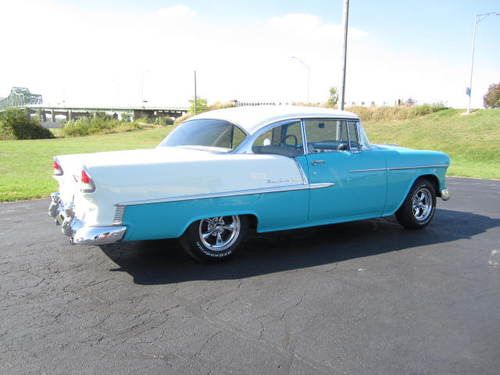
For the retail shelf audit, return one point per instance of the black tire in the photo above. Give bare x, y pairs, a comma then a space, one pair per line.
422, 215
202, 250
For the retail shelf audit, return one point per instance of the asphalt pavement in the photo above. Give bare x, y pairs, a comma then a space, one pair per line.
360, 298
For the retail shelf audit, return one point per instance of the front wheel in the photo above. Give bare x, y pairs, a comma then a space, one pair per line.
419, 206
215, 238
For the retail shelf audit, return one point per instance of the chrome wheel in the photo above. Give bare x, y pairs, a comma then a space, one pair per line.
422, 204
219, 233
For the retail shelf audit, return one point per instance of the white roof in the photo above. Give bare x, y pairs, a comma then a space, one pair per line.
252, 119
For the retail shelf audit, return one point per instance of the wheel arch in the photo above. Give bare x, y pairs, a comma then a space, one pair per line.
433, 179
252, 218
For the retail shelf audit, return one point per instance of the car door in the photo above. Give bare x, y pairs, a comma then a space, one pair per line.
356, 172
287, 209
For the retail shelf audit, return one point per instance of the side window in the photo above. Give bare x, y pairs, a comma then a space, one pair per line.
353, 135
229, 138
326, 135
283, 140
237, 137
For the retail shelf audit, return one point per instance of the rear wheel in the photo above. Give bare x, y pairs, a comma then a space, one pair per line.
419, 206
215, 238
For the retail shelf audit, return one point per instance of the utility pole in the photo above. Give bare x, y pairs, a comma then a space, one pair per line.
195, 94
478, 18
345, 21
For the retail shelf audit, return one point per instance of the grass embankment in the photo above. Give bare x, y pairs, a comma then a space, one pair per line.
26, 166
473, 141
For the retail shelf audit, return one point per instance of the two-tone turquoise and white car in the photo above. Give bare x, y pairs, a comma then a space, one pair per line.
222, 172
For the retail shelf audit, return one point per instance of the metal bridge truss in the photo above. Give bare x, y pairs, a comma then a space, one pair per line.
20, 97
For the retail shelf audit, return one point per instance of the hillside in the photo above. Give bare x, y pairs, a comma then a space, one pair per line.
472, 141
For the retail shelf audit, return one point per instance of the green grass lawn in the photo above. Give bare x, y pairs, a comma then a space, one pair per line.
473, 142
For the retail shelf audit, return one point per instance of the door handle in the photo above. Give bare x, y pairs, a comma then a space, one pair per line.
318, 162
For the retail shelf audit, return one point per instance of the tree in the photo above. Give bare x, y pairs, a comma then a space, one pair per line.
16, 123
492, 97
201, 105
334, 97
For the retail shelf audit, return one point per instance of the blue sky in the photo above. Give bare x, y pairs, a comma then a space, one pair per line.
137, 49
436, 26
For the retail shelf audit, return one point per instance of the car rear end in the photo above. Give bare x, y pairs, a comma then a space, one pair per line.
74, 206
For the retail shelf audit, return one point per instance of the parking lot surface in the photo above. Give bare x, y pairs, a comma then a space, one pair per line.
359, 298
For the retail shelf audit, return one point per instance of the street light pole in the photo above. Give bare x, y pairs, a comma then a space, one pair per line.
308, 69
344, 53
478, 18
195, 94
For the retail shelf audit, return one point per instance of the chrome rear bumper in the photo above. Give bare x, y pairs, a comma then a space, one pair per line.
76, 229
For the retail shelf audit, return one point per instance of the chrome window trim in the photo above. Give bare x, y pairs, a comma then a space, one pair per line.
304, 136
348, 136
277, 189
246, 147
334, 119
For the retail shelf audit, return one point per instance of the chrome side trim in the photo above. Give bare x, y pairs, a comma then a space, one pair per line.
398, 168
419, 167
321, 185
277, 189
367, 170
119, 212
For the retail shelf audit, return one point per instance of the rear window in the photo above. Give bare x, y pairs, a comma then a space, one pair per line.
206, 133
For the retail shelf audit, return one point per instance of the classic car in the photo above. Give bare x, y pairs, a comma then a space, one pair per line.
223, 172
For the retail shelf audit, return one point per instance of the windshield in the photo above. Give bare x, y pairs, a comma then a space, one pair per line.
205, 133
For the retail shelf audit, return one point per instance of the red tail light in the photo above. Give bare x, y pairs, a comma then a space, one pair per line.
57, 168
85, 177
86, 183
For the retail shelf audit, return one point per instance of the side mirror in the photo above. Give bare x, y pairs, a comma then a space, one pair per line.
342, 147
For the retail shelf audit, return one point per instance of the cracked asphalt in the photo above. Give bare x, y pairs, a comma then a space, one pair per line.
359, 298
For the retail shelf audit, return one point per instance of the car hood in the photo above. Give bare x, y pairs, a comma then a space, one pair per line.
404, 156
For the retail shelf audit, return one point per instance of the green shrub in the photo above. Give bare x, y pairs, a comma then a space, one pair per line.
395, 113
97, 125
163, 120
15, 123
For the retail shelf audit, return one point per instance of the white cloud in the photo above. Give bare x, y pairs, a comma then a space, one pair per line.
87, 56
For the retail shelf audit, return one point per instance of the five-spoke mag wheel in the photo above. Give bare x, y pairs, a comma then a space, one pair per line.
418, 208
422, 204
214, 238
219, 233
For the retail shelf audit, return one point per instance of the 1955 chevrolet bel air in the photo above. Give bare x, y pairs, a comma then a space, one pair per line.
225, 171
